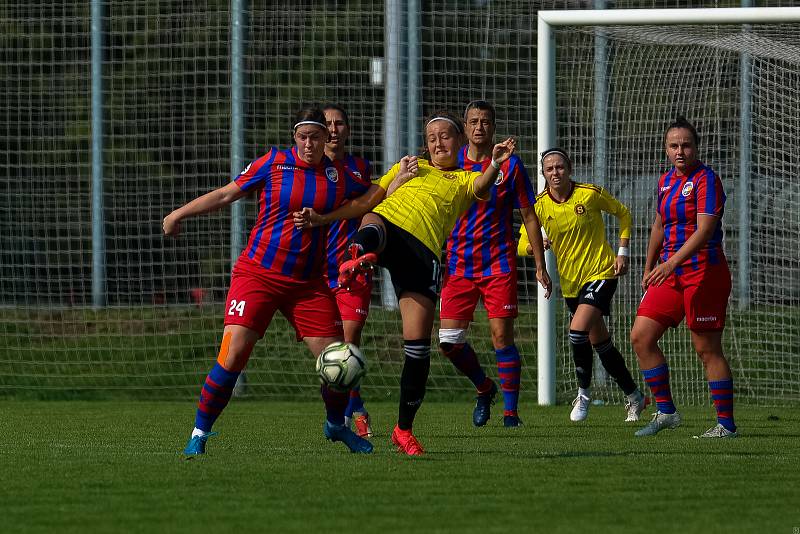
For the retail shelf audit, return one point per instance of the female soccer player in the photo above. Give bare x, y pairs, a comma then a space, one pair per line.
572, 216
353, 304
691, 279
481, 263
280, 269
405, 234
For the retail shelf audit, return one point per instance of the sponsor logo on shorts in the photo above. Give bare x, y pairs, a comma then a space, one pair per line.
361, 311
589, 296
706, 319
688, 187
500, 177
580, 209
332, 174
357, 174
509, 307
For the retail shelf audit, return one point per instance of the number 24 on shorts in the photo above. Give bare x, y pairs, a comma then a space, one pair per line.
236, 307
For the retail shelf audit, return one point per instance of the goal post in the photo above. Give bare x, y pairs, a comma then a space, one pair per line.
548, 125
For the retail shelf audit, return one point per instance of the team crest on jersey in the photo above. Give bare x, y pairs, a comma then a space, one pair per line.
332, 174
449, 176
580, 209
688, 187
500, 177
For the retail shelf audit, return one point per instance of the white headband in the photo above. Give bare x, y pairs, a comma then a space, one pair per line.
315, 123
458, 129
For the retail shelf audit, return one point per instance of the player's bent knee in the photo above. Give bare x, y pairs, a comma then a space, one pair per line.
451, 337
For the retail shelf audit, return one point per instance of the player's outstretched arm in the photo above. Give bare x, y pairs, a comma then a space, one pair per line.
212, 201
409, 168
500, 153
350, 209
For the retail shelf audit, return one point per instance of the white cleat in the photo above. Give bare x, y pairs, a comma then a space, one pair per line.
659, 422
580, 408
718, 431
634, 407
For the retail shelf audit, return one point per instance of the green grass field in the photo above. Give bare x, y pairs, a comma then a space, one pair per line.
112, 466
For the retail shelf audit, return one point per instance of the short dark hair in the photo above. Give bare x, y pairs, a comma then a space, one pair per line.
681, 122
482, 105
309, 112
555, 150
338, 108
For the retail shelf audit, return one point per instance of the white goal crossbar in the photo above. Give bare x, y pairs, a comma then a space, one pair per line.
546, 115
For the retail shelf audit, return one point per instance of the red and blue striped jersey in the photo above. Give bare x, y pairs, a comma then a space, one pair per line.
358, 174
483, 242
680, 200
286, 184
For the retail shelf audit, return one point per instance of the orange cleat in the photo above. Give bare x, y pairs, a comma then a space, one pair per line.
363, 425
406, 442
350, 269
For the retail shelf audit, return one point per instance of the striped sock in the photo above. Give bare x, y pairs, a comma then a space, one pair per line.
509, 366
355, 404
214, 396
466, 361
582, 356
413, 378
335, 404
657, 379
722, 395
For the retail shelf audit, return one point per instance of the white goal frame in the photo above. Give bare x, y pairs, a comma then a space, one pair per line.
546, 116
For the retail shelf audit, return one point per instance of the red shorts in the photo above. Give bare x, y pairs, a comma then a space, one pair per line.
354, 304
701, 296
257, 293
460, 296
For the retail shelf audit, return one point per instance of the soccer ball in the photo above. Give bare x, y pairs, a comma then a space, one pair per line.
341, 366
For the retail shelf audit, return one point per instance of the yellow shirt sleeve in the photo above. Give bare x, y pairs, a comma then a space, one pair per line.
616, 208
524, 241
386, 180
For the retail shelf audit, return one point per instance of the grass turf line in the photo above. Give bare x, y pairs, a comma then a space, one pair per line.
115, 467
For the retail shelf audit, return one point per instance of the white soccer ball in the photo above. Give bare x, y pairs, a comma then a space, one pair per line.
341, 366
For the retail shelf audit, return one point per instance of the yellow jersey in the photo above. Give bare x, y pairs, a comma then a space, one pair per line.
578, 235
428, 205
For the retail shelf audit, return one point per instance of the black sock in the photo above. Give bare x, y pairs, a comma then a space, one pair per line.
615, 365
413, 380
582, 356
371, 238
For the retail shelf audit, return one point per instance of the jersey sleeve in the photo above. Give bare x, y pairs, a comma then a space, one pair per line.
610, 204
524, 196
524, 241
710, 195
256, 173
468, 178
386, 180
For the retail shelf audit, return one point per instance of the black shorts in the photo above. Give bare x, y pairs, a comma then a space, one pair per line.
412, 265
597, 293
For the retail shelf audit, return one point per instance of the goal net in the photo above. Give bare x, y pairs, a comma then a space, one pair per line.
617, 88
167, 86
